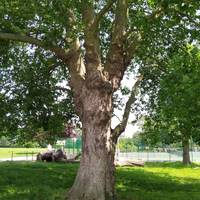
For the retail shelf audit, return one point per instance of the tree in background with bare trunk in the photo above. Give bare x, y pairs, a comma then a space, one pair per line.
174, 112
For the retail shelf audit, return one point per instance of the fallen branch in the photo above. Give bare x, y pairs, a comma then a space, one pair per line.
129, 163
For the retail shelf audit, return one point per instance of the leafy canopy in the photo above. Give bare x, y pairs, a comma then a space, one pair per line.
175, 112
36, 37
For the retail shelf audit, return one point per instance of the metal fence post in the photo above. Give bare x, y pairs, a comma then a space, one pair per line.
169, 155
73, 145
192, 149
126, 151
12, 156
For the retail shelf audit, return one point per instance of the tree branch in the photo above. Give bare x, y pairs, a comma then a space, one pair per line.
103, 11
117, 117
133, 41
63, 89
61, 53
133, 44
115, 58
21, 38
120, 128
92, 54
156, 13
76, 64
72, 57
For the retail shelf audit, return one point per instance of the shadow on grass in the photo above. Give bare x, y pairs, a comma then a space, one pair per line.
50, 181
35, 181
141, 184
176, 165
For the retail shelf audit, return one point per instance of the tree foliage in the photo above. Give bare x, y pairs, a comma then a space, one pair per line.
36, 99
97, 42
175, 112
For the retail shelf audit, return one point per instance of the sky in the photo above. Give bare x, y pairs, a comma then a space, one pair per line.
127, 81
130, 129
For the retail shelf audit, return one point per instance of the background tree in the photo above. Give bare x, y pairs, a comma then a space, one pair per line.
132, 144
175, 113
97, 41
35, 105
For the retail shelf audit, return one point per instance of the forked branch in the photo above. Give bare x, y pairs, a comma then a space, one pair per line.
115, 65
91, 43
120, 128
103, 11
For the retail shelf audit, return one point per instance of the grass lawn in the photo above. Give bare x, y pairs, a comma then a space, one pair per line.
18, 152
44, 181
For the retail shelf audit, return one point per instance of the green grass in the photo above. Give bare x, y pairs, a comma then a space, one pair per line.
44, 181
159, 181
18, 152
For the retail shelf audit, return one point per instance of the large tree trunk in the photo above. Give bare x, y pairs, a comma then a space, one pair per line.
186, 152
95, 178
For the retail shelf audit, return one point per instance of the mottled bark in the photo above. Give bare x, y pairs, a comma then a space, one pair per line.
186, 152
95, 178
93, 84
110, 176
115, 63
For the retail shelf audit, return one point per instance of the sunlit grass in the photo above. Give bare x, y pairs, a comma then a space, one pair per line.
35, 181
159, 181
18, 152
50, 181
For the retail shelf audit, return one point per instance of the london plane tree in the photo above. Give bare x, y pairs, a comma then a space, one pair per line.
98, 41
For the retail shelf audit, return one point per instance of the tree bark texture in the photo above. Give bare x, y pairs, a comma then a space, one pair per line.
93, 82
95, 178
186, 152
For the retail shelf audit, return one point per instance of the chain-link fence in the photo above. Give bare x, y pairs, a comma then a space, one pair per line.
158, 156
16, 156
72, 146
